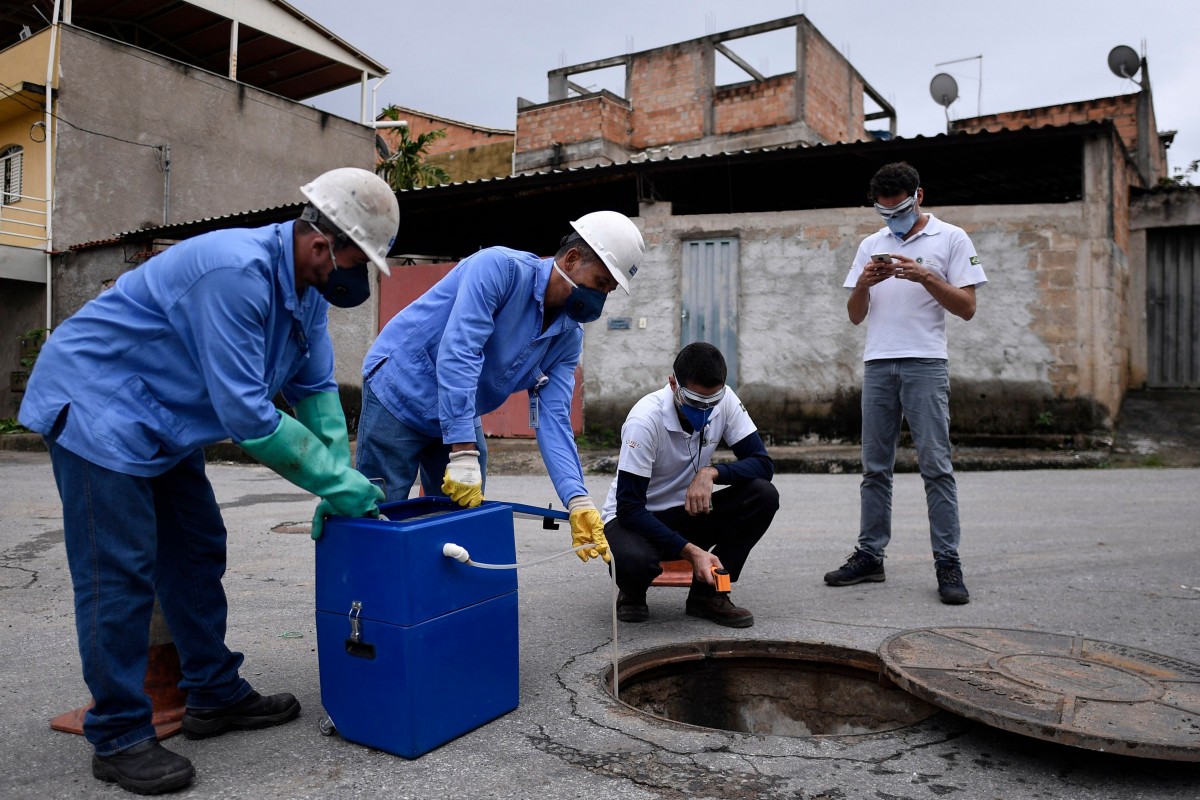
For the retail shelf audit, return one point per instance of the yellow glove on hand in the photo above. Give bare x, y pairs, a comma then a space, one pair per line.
463, 481
587, 528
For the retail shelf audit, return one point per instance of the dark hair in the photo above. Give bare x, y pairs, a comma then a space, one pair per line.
893, 179
700, 363
317, 221
575, 241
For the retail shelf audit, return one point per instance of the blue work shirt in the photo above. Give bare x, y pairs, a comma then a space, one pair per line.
184, 351
459, 350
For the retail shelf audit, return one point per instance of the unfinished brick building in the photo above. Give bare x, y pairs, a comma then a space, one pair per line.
673, 106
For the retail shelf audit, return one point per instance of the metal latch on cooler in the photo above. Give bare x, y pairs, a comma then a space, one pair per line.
355, 623
355, 646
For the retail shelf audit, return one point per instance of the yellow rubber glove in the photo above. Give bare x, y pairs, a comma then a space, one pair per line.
463, 481
587, 528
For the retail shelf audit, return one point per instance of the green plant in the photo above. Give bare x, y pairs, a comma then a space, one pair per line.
10, 425
1044, 420
407, 168
598, 439
1182, 176
31, 344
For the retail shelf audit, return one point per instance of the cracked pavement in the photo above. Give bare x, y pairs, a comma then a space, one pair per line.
1110, 554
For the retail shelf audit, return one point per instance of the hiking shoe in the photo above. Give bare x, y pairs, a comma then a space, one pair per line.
632, 609
950, 584
145, 768
718, 608
859, 567
251, 712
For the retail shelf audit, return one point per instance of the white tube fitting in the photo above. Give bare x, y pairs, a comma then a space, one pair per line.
451, 550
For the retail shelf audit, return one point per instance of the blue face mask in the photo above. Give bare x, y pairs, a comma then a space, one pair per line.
902, 224
901, 217
584, 304
696, 417
347, 287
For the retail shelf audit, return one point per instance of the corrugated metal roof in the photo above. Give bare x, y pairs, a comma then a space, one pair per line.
1012, 166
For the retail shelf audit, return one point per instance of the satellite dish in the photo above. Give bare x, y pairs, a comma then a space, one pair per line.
1123, 61
944, 89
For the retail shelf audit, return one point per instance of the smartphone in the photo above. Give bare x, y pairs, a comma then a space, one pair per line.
881, 258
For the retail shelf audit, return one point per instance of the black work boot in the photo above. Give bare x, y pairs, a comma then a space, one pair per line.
859, 567
717, 607
251, 712
632, 608
950, 583
145, 768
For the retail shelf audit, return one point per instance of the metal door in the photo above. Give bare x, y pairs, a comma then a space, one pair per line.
1173, 308
710, 298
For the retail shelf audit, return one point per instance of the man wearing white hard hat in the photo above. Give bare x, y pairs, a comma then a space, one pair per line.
500, 322
183, 352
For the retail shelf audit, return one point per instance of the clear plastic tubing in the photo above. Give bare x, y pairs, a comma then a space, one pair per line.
450, 550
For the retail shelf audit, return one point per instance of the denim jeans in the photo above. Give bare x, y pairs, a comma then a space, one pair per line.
388, 449
741, 515
129, 538
919, 390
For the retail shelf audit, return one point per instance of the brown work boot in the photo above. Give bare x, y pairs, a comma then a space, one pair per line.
718, 608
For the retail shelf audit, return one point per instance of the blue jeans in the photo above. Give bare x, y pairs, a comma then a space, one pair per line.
129, 538
919, 390
388, 449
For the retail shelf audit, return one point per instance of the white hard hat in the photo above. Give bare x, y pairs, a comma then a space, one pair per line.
362, 206
616, 240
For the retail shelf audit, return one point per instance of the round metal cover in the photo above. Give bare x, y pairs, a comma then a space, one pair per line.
1067, 689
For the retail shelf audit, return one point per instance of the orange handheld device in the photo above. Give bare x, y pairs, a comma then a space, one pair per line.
722, 576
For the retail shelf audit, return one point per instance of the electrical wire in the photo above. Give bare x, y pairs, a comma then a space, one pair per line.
35, 107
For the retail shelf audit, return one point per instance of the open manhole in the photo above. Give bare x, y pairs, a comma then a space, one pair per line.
1063, 688
767, 687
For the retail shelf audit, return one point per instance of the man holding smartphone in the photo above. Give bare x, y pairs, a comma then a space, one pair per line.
906, 276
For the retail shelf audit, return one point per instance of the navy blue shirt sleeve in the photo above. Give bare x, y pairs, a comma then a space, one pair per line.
752, 462
633, 514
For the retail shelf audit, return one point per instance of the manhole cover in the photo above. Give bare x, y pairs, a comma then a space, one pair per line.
1067, 689
767, 687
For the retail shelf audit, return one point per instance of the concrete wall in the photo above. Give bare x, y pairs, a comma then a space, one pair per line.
233, 147
1042, 352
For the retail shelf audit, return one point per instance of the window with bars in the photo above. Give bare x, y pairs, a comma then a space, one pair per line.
10, 170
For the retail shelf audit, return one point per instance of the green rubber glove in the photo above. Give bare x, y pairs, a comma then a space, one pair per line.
587, 528
322, 414
297, 454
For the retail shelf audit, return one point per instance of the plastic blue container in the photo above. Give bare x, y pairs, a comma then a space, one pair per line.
414, 648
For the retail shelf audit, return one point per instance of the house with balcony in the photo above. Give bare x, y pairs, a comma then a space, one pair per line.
122, 116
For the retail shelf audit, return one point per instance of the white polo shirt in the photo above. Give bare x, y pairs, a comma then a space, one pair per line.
904, 321
654, 446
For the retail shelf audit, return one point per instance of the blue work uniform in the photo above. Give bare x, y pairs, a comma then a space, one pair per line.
473, 339
185, 351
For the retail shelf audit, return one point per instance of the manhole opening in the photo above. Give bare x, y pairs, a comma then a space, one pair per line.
767, 687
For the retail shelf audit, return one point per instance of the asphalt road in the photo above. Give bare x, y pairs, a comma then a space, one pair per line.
1107, 554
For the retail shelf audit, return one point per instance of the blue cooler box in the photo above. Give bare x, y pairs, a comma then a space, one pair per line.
415, 648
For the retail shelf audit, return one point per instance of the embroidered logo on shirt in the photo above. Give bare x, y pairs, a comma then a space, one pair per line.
631, 444
975, 261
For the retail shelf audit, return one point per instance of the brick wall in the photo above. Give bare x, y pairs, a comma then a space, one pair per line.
466, 152
669, 95
755, 104
577, 119
831, 84
458, 137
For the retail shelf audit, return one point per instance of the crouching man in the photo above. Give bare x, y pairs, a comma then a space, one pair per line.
662, 504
